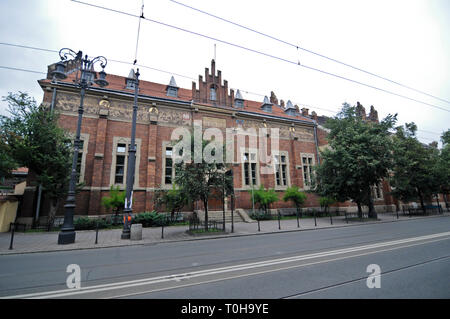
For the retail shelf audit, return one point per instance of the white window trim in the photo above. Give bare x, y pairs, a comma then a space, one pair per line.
125, 140
313, 162
374, 193
256, 160
288, 175
166, 144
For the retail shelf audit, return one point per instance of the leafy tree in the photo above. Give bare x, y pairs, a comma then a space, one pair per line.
443, 166
7, 163
359, 157
200, 180
294, 195
264, 198
115, 201
173, 200
325, 202
36, 141
414, 174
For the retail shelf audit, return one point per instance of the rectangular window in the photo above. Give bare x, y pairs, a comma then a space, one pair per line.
171, 91
212, 94
120, 164
250, 169
168, 172
307, 165
281, 170
377, 191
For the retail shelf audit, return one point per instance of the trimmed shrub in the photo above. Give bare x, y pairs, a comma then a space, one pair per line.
86, 223
150, 219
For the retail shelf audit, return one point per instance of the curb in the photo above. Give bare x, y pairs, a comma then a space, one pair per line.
222, 236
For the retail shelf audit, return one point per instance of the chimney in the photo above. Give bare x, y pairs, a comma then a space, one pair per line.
305, 111
373, 115
360, 111
314, 116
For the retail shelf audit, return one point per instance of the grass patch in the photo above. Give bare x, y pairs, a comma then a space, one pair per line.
204, 231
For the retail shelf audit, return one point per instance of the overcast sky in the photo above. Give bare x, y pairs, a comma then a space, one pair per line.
405, 41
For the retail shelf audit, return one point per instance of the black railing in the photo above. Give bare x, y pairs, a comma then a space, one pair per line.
199, 225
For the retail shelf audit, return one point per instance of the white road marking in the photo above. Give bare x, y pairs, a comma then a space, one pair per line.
178, 277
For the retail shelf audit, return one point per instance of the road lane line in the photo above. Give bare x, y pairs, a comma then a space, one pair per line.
272, 270
165, 278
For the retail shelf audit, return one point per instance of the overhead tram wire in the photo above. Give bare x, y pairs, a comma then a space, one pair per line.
301, 104
20, 69
309, 51
159, 70
155, 69
264, 54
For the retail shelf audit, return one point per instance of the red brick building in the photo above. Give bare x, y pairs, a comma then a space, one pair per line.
106, 131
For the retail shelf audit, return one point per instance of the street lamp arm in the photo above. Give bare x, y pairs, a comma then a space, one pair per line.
66, 53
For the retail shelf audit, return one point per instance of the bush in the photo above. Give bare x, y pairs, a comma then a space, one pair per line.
150, 219
86, 223
261, 216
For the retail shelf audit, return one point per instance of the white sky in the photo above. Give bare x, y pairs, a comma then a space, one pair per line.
405, 41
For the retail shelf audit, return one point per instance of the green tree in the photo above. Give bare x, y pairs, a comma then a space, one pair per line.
414, 174
264, 198
443, 166
115, 201
173, 200
7, 163
359, 157
201, 180
294, 195
325, 202
36, 141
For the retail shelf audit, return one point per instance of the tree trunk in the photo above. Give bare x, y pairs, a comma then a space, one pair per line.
421, 203
372, 212
52, 212
445, 200
359, 209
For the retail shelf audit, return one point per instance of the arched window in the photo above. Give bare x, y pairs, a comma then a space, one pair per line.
212, 93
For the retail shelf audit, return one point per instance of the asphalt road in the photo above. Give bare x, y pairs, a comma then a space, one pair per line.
413, 256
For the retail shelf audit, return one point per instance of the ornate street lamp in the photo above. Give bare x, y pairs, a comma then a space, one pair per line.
131, 163
86, 79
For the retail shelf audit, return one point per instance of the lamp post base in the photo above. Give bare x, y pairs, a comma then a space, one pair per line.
125, 235
66, 237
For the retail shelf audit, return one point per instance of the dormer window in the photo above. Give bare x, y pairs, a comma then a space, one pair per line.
171, 91
130, 81
266, 106
172, 88
212, 93
239, 100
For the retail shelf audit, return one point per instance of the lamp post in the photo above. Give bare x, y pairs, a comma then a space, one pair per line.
84, 81
131, 165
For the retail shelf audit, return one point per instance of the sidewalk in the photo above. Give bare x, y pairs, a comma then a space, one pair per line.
47, 241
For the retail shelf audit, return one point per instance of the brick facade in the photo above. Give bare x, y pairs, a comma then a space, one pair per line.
107, 118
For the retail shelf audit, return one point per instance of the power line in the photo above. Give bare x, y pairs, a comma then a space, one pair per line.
19, 69
265, 54
307, 50
152, 68
301, 104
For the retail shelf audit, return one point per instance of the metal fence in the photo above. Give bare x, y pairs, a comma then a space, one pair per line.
198, 224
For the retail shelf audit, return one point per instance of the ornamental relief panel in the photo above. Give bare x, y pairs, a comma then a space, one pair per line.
174, 117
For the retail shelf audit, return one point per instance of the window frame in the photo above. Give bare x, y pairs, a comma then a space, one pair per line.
310, 172
124, 140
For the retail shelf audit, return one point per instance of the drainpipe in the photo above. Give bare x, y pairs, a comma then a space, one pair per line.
316, 142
